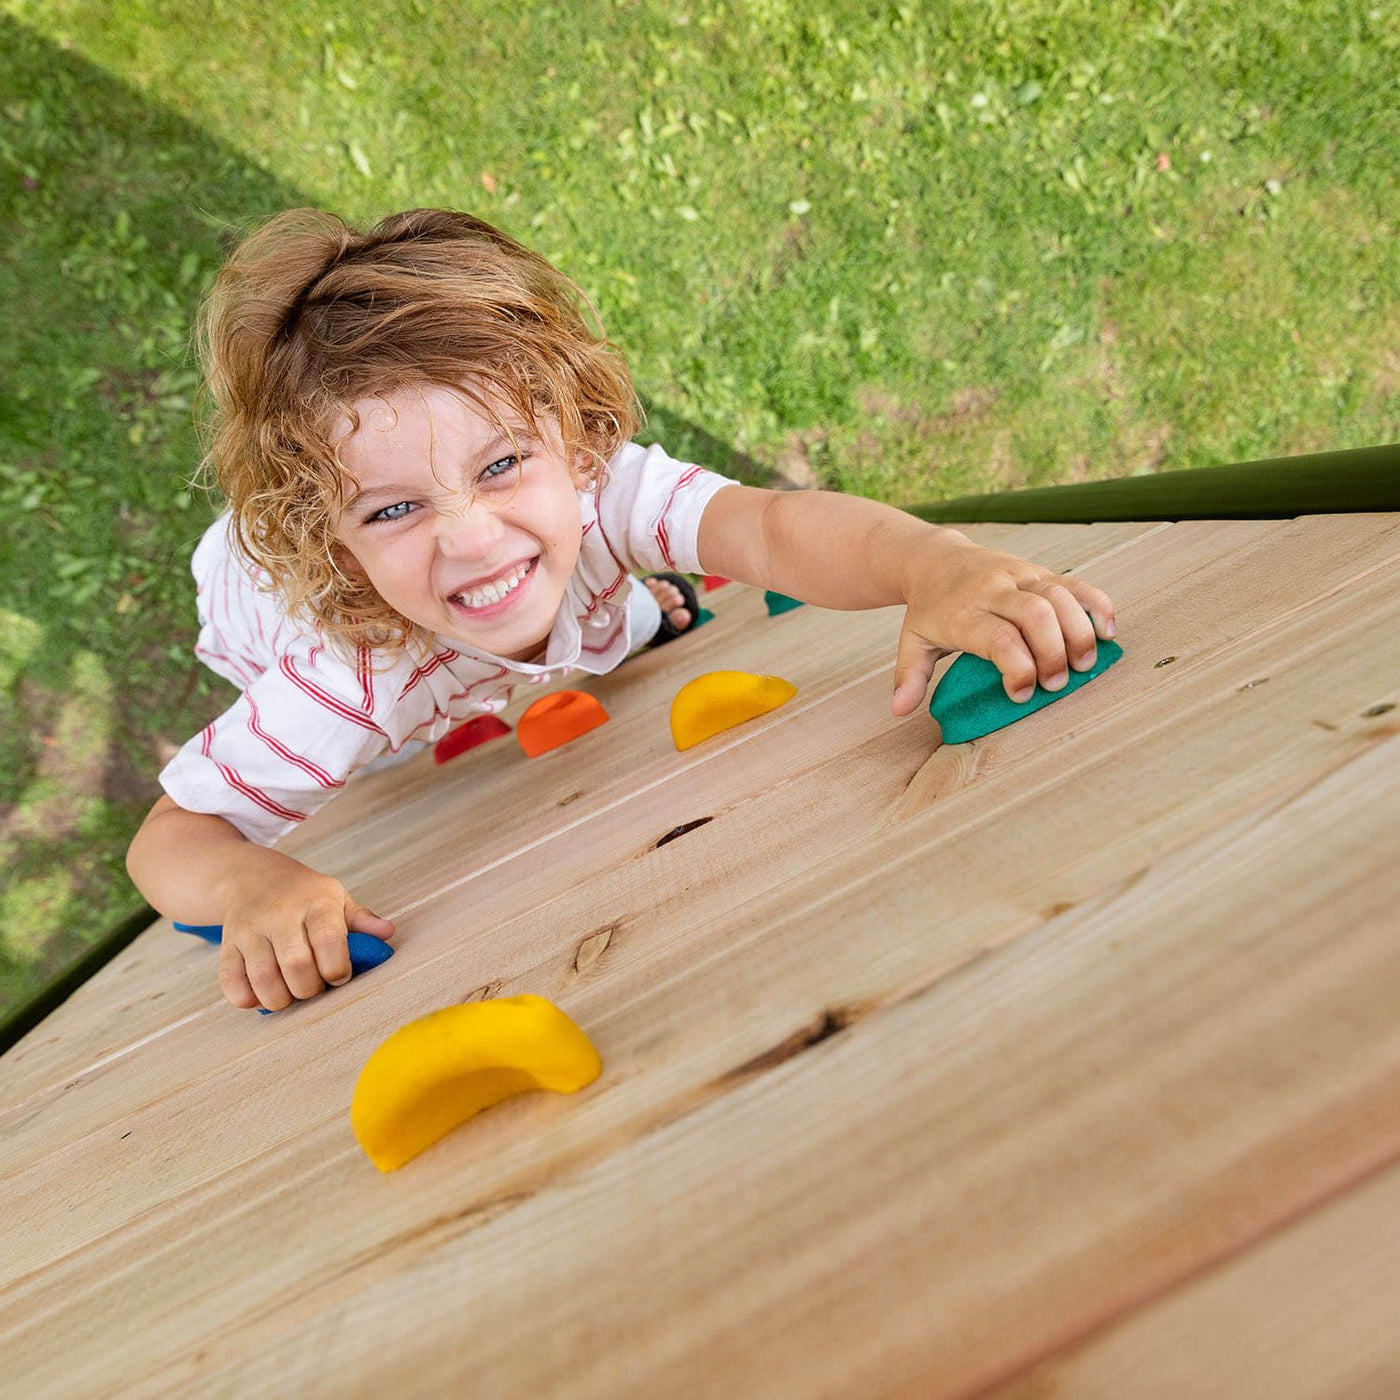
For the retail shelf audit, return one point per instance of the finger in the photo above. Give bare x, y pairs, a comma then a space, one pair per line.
1076, 625
265, 974
298, 963
999, 640
1039, 623
325, 931
1096, 603
915, 660
233, 978
363, 920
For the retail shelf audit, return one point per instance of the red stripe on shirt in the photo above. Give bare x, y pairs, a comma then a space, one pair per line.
205, 653
253, 795
283, 752
427, 669
607, 645
440, 713
598, 519
364, 667
235, 781
326, 699
663, 537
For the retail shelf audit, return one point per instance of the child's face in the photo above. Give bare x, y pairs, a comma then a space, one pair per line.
442, 550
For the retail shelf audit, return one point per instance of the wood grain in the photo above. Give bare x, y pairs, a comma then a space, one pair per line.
921, 1064
1308, 1314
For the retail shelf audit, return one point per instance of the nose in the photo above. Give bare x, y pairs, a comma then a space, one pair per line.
466, 530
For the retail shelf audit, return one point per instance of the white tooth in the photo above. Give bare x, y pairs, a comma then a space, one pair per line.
494, 592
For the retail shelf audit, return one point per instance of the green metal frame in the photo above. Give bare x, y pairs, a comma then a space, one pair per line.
1321, 483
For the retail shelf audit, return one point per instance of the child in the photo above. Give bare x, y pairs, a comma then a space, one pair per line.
432, 498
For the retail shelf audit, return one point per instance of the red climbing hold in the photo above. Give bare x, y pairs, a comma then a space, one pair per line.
468, 736
713, 581
557, 718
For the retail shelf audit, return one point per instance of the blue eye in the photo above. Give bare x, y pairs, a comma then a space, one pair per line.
506, 463
388, 512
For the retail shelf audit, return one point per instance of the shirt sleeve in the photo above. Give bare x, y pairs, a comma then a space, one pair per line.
284, 748
650, 506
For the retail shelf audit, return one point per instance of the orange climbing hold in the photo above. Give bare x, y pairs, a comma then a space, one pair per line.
556, 719
721, 699
468, 736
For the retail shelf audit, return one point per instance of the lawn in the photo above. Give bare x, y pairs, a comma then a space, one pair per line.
913, 250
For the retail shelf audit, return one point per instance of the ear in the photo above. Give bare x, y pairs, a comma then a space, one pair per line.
349, 565
587, 471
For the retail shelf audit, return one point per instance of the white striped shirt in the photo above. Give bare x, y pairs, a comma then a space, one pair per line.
308, 718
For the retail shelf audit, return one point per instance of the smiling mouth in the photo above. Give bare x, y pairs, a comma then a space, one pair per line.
496, 592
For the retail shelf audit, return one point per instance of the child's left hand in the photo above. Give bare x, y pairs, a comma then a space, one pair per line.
1027, 621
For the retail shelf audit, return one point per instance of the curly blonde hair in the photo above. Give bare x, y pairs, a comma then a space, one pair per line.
309, 315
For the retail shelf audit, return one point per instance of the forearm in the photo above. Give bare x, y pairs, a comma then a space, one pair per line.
833, 550
187, 864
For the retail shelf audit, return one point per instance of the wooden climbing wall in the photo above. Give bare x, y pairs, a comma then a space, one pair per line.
1064, 1062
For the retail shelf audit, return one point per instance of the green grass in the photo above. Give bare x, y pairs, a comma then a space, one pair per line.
926, 248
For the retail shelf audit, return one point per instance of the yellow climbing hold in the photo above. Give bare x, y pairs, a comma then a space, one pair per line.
720, 700
439, 1070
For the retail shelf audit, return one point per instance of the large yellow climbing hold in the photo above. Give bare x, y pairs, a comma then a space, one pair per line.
439, 1070
721, 699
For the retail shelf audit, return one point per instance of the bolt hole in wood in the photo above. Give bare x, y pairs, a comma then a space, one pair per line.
1377, 710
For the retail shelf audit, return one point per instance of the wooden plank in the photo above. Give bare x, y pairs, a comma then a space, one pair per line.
184, 986
497, 803
658, 1039
182, 1062
209, 1032
1308, 1314
955, 1181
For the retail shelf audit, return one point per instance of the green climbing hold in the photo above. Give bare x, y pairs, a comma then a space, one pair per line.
780, 602
971, 701
702, 617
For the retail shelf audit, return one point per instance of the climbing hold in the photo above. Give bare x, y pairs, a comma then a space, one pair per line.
366, 951
557, 718
468, 736
439, 1070
713, 581
721, 699
971, 701
780, 603
702, 617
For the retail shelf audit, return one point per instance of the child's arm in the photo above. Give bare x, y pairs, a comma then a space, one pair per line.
848, 552
284, 924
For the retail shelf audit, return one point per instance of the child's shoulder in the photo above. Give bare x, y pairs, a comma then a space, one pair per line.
241, 609
218, 551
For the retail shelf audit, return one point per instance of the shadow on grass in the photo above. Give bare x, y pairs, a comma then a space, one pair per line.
117, 215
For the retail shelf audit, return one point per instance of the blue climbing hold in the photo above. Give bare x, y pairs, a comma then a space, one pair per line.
365, 950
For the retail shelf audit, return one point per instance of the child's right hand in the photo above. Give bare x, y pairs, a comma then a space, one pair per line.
284, 940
